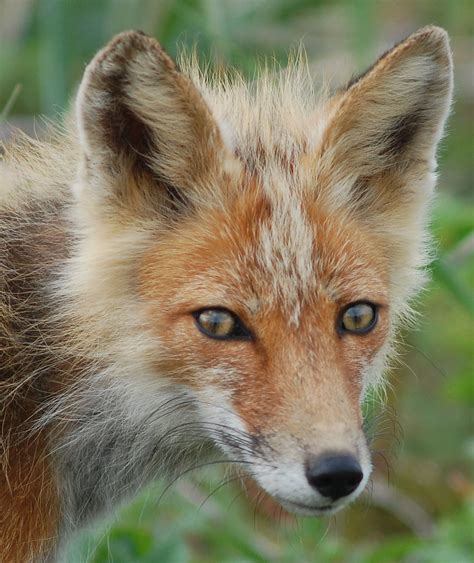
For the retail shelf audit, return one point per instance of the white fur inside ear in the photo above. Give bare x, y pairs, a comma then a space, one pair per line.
77, 188
80, 109
227, 134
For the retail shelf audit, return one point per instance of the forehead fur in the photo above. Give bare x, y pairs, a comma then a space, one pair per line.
260, 255
269, 122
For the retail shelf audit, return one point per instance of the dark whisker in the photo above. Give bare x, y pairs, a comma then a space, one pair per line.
218, 488
428, 359
206, 464
258, 501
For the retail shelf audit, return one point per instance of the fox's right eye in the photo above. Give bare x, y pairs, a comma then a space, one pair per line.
221, 324
359, 318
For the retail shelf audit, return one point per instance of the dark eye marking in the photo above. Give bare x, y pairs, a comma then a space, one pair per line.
221, 324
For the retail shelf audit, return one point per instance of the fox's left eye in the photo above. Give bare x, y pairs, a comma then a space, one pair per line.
358, 318
221, 324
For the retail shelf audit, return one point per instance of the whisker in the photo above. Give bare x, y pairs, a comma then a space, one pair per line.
207, 464
441, 371
218, 488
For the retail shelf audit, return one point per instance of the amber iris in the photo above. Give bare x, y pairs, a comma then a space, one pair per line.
359, 318
221, 324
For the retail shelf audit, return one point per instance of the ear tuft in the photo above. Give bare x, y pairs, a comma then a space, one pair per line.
432, 37
107, 125
395, 111
140, 118
377, 156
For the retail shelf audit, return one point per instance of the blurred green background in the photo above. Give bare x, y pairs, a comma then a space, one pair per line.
419, 507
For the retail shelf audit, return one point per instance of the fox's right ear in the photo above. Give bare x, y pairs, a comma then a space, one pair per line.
145, 131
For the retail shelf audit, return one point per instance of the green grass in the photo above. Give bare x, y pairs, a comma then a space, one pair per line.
180, 530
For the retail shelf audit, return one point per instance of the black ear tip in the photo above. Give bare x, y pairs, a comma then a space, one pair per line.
136, 36
431, 37
123, 45
433, 32
113, 59
129, 34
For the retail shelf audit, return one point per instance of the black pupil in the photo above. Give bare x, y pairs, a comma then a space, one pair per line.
359, 316
215, 321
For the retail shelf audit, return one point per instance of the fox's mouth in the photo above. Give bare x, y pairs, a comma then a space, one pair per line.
309, 509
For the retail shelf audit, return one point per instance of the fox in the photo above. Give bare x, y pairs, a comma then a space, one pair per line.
196, 267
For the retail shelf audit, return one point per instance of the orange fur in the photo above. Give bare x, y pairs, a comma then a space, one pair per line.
28, 503
207, 253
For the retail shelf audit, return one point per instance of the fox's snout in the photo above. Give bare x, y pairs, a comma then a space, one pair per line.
312, 474
334, 476
332, 480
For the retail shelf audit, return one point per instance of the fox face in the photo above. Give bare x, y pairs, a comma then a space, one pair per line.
277, 338
282, 237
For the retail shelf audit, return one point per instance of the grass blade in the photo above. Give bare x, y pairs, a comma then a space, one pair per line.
10, 103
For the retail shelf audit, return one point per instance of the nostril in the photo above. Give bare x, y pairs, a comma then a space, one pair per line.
334, 476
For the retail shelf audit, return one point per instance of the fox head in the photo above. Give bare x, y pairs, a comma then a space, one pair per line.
278, 238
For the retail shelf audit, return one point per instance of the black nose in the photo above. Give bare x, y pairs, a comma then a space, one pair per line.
334, 476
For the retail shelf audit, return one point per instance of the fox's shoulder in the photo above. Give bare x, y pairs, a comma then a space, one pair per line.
34, 241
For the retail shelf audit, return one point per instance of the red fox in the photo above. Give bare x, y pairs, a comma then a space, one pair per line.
199, 265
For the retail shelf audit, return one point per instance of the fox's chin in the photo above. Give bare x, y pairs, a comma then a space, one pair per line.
301, 509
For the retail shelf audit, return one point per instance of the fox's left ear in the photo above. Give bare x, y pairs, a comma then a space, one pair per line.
385, 126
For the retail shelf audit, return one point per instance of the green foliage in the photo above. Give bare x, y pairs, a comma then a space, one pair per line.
10, 103
178, 531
